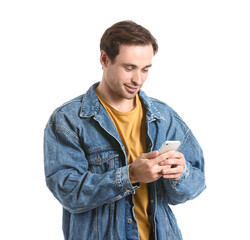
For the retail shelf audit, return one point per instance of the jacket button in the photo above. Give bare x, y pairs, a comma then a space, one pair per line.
129, 220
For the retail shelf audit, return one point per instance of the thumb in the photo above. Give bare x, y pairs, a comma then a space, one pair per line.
151, 155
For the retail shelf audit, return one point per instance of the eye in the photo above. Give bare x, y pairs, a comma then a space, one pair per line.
145, 70
128, 69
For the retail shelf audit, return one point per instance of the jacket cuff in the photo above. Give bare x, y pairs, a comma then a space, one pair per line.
123, 181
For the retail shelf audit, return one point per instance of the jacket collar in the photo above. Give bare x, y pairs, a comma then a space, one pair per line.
91, 105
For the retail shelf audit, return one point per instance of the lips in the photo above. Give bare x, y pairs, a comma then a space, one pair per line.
131, 89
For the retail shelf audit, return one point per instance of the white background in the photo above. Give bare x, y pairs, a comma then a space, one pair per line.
49, 53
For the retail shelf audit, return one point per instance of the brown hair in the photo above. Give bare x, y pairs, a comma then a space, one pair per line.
127, 33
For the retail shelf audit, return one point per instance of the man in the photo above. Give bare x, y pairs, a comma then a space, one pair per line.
101, 150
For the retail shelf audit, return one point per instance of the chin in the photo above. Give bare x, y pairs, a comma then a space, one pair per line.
130, 96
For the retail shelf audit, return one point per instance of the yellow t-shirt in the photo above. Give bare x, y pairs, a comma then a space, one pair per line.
131, 128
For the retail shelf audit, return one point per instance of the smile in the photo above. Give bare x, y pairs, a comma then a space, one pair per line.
131, 89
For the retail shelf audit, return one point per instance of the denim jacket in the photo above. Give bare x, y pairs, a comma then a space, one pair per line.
86, 169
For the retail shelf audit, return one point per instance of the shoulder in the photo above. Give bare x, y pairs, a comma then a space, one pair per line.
163, 108
160, 105
167, 115
68, 111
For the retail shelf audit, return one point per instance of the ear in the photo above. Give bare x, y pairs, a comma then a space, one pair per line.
104, 59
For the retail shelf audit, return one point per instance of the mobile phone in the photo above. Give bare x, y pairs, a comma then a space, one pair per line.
169, 145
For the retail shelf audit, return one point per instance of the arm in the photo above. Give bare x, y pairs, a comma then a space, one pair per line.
192, 180
68, 176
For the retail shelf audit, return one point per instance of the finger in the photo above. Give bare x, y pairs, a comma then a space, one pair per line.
151, 155
173, 171
178, 155
163, 163
168, 154
173, 176
161, 158
172, 161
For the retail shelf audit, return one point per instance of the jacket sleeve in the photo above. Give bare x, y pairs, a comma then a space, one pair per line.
68, 176
192, 181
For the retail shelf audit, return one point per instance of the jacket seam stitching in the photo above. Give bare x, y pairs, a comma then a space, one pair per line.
173, 182
64, 130
178, 117
186, 136
63, 105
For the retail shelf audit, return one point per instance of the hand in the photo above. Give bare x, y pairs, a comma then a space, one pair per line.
146, 168
175, 165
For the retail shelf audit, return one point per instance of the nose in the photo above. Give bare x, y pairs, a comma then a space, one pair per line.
137, 78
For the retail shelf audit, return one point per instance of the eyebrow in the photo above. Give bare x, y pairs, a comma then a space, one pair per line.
134, 66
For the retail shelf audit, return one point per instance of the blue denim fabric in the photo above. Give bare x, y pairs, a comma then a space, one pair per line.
87, 170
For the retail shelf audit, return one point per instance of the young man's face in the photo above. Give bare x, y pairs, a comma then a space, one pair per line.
126, 75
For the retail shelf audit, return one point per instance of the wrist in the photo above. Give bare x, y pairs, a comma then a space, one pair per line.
132, 176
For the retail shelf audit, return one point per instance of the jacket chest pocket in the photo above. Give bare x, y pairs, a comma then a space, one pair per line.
101, 162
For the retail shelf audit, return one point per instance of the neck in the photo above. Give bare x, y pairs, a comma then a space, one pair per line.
114, 100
